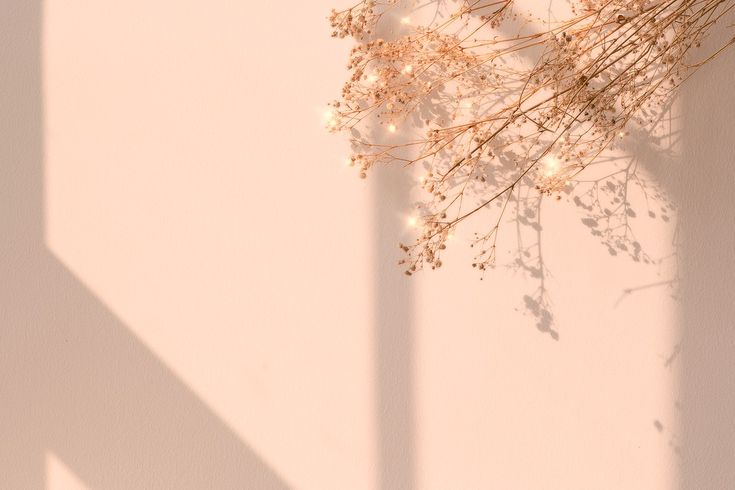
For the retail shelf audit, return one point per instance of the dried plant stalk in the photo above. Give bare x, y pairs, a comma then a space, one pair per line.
490, 124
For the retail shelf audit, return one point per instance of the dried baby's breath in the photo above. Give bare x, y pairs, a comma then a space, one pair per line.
490, 124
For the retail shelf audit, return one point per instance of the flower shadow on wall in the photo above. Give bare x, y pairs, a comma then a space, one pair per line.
612, 194
690, 177
75, 381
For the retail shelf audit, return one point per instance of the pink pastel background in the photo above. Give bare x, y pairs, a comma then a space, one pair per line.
197, 293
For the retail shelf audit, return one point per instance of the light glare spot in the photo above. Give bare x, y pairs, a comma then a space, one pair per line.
551, 165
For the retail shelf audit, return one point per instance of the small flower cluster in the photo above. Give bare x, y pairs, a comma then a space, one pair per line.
359, 20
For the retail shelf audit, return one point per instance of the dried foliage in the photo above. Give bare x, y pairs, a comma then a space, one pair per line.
486, 124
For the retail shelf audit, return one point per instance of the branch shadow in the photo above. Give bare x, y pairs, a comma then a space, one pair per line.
75, 381
698, 190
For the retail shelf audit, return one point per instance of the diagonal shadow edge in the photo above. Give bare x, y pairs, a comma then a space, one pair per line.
74, 380
110, 408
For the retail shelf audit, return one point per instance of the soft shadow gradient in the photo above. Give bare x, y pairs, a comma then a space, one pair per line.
393, 335
707, 216
393, 343
74, 380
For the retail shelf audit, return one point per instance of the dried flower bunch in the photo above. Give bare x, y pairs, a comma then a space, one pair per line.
487, 124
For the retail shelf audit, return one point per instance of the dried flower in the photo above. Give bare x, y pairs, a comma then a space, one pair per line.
493, 126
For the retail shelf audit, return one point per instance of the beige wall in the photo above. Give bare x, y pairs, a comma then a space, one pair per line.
198, 294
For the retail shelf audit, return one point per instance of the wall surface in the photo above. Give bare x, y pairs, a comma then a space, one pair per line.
198, 294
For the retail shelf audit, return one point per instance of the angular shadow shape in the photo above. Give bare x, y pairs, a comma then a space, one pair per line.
74, 380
